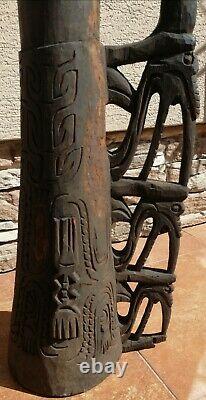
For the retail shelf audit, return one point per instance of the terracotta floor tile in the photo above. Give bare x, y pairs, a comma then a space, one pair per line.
198, 231
139, 381
181, 361
188, 244
6, 290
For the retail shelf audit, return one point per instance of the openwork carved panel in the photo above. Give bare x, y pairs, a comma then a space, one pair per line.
170, 72
68, 281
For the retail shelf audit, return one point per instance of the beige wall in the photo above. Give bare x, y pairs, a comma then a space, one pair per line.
121, 21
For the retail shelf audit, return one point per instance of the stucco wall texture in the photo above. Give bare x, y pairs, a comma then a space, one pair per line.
121, 21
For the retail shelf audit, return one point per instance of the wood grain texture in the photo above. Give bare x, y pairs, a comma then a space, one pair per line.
64, 309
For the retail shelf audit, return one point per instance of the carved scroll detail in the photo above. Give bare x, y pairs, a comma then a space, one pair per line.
99, 323
171, 72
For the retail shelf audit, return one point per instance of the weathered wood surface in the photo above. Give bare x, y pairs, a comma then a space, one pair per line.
171, 72
166, 167
64, 309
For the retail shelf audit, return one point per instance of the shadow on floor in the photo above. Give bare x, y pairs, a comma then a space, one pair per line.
6, 379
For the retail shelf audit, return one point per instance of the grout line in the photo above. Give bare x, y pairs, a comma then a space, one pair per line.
155, 263
158, 376
196, 238
184, 253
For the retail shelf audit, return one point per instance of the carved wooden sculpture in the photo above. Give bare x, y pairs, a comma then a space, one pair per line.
170, 72
64, 309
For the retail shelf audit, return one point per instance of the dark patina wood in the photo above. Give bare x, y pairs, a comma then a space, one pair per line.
66, 291
64, 309
171, 72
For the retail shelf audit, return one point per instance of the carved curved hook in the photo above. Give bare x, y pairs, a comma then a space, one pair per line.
174, 80
170, 72
165, 220
160, 294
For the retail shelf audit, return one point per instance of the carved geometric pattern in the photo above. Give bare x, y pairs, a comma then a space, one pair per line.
66, 318
99, 323
64, 251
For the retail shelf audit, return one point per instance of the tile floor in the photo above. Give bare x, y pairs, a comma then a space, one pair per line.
175, 369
